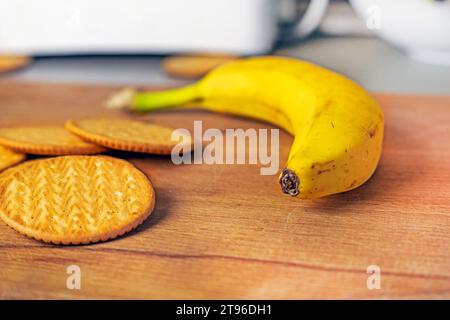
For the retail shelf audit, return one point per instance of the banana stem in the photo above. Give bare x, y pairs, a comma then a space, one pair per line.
148, 101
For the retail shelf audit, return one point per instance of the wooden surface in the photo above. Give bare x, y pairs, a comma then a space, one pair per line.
228, 232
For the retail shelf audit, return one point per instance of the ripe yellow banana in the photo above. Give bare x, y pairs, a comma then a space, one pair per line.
338, 127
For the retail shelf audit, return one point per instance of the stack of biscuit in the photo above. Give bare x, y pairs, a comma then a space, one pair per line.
78, 197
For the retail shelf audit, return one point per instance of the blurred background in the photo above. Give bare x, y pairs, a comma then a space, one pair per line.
385, 45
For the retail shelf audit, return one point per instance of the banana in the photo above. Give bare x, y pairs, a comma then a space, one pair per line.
337, 126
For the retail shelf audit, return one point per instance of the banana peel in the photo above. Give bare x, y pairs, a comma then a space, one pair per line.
337, 126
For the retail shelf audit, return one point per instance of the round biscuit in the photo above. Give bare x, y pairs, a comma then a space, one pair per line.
46, 140
193, 66
11, 63
75, 199
125, 134
9, 158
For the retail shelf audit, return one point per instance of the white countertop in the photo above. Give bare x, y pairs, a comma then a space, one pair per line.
369, 61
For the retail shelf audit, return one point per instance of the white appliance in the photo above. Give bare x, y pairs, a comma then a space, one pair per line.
150, 26
419, 27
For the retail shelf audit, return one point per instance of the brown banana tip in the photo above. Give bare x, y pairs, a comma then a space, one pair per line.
289, 182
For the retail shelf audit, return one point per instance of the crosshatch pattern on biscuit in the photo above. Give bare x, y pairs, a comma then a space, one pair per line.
74, 196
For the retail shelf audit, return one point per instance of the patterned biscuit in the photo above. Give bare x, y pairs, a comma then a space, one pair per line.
194, 66
9, 158
125, 134
10, 63
45, 140
75, 199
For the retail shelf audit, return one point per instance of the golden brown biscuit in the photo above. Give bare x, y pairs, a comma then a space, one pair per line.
10, 63
45, 140
75, 199
125, 134
9, 157
193, 66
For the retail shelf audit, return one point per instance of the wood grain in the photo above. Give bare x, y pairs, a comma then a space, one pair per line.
228, 232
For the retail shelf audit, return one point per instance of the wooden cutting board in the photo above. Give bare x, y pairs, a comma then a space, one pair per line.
228, 232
